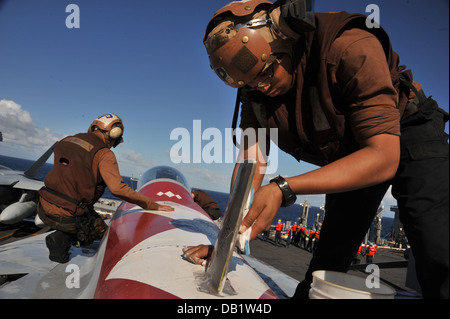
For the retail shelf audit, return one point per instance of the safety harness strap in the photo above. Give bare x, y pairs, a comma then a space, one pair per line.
65, 197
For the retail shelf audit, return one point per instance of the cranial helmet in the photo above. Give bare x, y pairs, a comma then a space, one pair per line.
110, 123
245, 37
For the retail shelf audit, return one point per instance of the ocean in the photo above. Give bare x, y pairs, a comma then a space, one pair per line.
291, 213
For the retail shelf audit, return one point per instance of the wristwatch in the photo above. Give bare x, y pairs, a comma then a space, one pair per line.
289, 197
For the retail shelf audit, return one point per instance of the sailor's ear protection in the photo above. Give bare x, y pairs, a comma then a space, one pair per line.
115, 132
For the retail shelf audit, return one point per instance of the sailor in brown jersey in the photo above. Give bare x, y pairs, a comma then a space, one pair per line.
334, 90
83, 166
208, 204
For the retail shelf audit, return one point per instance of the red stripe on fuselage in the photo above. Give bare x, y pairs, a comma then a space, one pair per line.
125, 233
269, 294
131, 289
128, 229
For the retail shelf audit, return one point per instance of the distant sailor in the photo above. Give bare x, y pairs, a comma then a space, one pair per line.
370, 252
83, 166
208, 204
278, 228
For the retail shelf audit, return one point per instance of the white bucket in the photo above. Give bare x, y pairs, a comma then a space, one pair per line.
337, 285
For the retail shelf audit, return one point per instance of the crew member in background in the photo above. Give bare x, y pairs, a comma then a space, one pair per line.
289, 234
333, 88
316, 239
295, 228
370, 252
278, 229
83, 166
311, 236
208, 204
358, 256
302, 236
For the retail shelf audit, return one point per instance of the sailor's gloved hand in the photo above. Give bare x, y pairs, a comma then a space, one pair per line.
198, 254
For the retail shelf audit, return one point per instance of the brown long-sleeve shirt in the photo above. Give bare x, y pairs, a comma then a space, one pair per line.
105, 166
203, 199
108, 168
358, 72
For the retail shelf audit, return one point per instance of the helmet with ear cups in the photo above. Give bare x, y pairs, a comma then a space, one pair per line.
110, 123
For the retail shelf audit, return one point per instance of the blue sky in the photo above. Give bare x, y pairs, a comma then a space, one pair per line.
144, 60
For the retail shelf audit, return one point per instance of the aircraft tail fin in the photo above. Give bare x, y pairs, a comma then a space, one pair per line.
35, 168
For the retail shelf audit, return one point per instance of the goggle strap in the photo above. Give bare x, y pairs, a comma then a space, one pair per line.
253, 23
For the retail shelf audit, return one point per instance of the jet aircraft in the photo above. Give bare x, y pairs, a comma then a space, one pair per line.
141, 256
18, 191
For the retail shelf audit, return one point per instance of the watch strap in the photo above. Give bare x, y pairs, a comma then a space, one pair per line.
289, 197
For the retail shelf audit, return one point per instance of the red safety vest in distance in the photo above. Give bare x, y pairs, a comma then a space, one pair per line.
372, 251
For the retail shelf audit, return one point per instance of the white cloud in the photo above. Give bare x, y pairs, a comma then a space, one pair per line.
18, 127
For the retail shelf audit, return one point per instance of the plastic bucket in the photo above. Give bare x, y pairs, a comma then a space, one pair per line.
337, 285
